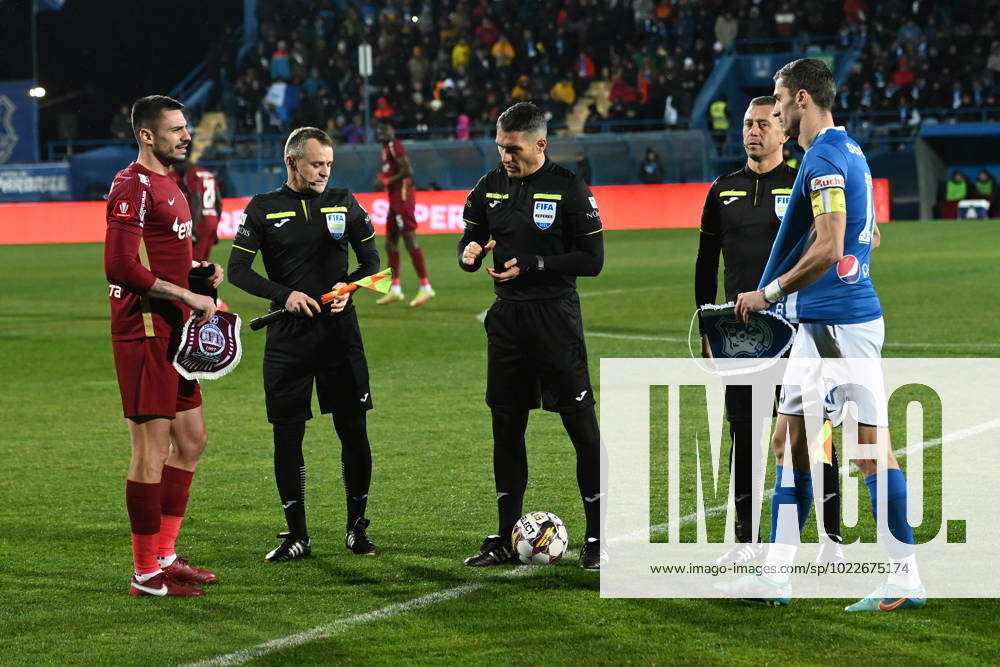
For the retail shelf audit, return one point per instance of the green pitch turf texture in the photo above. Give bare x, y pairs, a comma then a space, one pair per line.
65, 559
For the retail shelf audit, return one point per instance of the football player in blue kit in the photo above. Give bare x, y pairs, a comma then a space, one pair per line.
818, 275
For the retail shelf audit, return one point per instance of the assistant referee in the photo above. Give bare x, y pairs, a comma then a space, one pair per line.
541, 222
303, 231
741, 217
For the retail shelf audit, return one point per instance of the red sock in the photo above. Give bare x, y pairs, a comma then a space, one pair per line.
394, 265
143, 503
417, 255
174, 485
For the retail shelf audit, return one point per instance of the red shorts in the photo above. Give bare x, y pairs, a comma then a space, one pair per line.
149, 383
400, 217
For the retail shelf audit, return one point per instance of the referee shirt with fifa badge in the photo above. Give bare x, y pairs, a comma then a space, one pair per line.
742, 213
304, 240
548, 220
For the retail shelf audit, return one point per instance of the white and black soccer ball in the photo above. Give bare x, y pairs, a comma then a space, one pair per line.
540, 538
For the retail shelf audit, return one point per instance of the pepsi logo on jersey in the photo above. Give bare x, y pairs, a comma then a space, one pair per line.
850, 270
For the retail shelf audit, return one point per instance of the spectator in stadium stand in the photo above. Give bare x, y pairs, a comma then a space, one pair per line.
503, 53
121, 124
563, 97
281, 67
993, 64
461, 54
726, 29
592, 124
957, 96
651, 171
418, 67
902, 78
462, 128
583, 71
520, 92
487, 33
784, 22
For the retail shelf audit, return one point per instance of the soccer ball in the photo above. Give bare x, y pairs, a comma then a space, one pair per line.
540, 538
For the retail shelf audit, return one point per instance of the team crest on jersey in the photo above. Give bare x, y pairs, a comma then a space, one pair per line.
545, 214
336, 223
781, 205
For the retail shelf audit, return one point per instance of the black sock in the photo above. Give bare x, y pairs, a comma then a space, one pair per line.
830, 505
290, 474
355, 463
741, 458
581, 425
510, 466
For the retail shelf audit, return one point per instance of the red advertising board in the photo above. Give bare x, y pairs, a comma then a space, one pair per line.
676, 205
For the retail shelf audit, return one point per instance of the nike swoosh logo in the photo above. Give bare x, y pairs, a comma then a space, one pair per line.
729, 201
493, 203
364, 398
828, 497
289, 504
162, 590
283, 221
590, 499
580, 397
170, 202
882, 606
501, 494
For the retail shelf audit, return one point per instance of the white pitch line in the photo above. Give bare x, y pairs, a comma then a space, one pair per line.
616, 336
328, 629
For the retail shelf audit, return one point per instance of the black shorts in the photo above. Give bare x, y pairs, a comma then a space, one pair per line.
325, 348
739, 402
536, 355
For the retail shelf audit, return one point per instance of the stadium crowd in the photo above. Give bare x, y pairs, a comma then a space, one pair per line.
444, 68
920, 59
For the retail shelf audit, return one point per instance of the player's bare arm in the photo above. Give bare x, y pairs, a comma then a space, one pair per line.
204, 305
405, 170
825, 251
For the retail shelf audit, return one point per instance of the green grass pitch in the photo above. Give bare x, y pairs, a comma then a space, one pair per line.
64, 549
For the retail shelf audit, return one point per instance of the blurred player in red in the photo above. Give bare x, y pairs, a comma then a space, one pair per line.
147, 257
396, 177
205, 199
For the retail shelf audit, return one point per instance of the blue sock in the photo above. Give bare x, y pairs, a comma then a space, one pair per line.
803, 495
783, 495
895, 507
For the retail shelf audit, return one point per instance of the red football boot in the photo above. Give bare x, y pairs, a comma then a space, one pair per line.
181, 570
163, 584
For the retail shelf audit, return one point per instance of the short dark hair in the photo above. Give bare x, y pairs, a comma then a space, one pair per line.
146, 111
522, 117
764, 101
811, 75
296, 143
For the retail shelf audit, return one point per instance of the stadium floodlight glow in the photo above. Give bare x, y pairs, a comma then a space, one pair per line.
37, 91
415, 18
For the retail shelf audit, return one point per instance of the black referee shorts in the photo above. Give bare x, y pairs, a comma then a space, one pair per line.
536, 355
325, 348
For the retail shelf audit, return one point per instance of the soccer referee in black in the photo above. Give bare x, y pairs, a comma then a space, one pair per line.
303, 230
542, 224
741, 218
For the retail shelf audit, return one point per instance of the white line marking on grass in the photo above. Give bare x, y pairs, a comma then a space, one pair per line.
328, 629
617, 336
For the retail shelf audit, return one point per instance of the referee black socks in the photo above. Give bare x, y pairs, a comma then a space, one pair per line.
510, 466
355, 463
581, 425
290, 475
